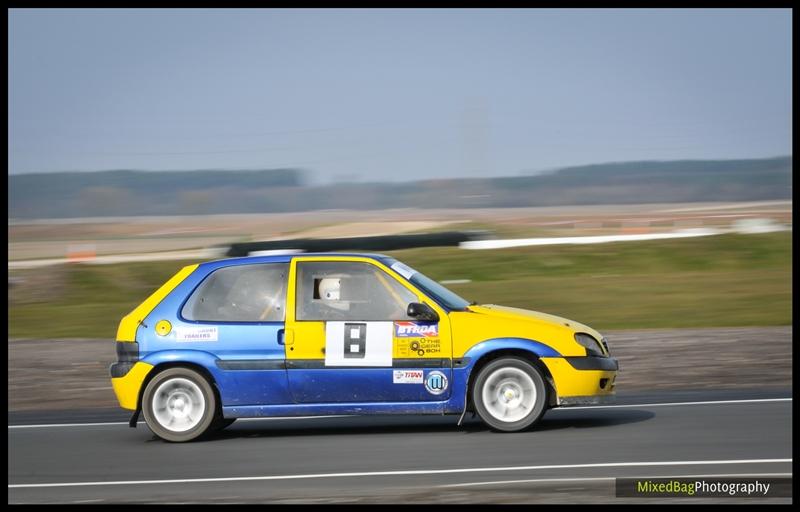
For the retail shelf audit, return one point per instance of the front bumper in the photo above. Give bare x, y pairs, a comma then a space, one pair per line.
593, 363
586, 400
582, 379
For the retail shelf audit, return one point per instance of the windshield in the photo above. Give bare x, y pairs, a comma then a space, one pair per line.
430, 287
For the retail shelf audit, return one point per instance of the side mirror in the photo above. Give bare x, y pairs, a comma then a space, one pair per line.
422, 311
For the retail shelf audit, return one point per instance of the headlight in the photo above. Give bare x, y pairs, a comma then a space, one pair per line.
591, 345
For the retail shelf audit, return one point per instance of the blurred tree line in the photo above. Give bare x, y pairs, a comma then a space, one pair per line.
129, 192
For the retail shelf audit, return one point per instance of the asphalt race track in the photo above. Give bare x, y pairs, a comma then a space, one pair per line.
572, 456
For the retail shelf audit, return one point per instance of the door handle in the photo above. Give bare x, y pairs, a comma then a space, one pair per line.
285, 337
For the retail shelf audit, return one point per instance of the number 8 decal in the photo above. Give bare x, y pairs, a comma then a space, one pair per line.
355, 340
346, 343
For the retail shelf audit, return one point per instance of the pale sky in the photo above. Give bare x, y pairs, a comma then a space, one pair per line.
394, 94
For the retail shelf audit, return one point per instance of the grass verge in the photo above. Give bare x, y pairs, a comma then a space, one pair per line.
726, 280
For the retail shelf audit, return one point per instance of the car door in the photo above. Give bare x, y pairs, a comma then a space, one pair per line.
349, 338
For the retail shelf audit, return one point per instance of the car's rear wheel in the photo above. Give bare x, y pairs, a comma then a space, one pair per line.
179, 405
510, 394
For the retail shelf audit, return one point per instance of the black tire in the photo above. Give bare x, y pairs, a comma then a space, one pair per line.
510, 367
180, 378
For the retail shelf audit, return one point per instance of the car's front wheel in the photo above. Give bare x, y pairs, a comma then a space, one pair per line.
510, 394
179, 405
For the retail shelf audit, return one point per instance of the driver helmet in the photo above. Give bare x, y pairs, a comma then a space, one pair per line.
330, 288
330, 291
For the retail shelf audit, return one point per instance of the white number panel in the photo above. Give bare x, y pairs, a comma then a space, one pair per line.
355, 343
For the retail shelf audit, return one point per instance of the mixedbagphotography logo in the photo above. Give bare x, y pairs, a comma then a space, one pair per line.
703, 487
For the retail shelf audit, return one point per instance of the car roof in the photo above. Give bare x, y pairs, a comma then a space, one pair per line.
285, 258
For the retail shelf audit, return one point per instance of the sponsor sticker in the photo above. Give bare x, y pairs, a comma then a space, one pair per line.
419, 347
416, 330
407, 376
403, 270
196, 334
436, 382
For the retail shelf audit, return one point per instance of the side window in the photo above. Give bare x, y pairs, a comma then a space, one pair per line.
339, 290
241, 293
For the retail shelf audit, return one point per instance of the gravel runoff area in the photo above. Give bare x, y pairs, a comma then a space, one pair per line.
73, 374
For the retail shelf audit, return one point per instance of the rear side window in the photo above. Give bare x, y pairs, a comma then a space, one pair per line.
242, 293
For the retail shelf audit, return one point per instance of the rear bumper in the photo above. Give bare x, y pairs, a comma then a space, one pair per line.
582, 379
127, 356
128, 374
127, 387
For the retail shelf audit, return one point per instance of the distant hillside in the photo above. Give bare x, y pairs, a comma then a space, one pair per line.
117, 193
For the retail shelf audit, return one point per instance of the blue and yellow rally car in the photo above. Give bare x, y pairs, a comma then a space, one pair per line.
318, 334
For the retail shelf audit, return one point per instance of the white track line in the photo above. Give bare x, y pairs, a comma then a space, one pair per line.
672, 404
566, 408
600, 239
401, 473
54, 425
599, 478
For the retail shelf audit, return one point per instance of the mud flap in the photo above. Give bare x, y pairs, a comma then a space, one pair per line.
462, 415
135, 418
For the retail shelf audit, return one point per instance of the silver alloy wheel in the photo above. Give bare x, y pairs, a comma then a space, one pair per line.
509, 394
178, 404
